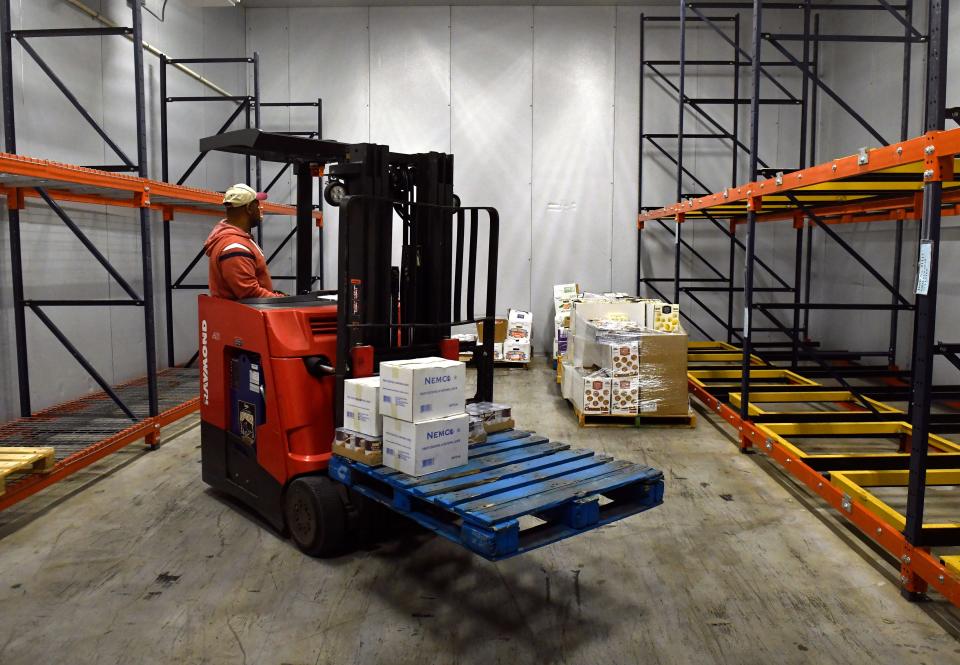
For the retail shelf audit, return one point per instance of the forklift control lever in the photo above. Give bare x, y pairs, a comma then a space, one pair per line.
319, 366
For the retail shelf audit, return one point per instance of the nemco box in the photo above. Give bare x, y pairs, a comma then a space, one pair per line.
425, 447
421, 388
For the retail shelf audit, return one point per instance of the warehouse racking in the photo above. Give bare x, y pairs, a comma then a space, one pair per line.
250, 105
85, 430
726, 28
871, 460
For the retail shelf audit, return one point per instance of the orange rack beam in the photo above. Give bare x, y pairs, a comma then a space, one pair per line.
875, 185
21, 176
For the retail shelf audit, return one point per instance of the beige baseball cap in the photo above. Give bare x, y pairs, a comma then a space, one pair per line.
241, 194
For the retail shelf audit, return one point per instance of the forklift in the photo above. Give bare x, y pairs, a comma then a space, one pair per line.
272, 370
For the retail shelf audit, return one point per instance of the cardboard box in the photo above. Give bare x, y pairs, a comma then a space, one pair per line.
663, 374
421, 388
567, 377
494, 417
425, 447
516, 353
624, 395
359, 447
498, 351
584, 312
663, 316
361, 405
623, 359
519, 326
565, 291
499, 331
591, 394
584, 353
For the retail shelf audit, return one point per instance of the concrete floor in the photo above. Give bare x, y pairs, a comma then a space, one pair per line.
145, 565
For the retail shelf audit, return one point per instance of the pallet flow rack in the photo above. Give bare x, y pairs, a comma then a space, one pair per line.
250, 105
83, 431
719, 280
873, 470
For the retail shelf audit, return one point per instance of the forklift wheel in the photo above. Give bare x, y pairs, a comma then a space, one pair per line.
315, 516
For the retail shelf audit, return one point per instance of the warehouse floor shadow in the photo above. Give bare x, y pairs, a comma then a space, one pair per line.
464, 600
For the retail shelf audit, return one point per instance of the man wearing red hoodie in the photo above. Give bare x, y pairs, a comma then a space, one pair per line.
238, 268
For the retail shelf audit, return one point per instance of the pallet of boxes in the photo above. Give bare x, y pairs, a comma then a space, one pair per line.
512, 338
413, 417
626, 363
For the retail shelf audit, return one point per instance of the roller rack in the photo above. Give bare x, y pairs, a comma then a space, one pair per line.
840, 436
710, 286
85, 430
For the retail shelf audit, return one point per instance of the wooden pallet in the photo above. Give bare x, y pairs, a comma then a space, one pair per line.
487, 505
688, 421
511, 363
24, 460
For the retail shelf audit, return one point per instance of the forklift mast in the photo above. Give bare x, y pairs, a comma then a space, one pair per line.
388, 311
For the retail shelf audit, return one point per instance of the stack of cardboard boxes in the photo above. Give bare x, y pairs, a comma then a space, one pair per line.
512, 337
625, 356
411, 418
516, 348
563, 296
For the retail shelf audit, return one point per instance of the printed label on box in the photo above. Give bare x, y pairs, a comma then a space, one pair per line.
648, 406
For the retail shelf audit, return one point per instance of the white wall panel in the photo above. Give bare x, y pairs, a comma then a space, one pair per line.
410, 82
410, 78
573, 93
491, 74
330, 58
626, 139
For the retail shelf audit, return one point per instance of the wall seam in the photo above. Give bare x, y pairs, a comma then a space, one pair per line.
613, 145
533, 69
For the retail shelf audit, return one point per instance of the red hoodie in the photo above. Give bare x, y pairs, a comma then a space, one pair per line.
238, 268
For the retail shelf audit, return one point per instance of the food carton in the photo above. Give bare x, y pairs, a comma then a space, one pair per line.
361, 405
421, 388
425, 447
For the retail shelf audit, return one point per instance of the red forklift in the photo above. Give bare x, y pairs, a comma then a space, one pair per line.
272, 369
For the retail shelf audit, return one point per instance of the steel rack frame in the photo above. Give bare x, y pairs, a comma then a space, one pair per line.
87, 429
721, 279
139, 166
250, 105
910, 181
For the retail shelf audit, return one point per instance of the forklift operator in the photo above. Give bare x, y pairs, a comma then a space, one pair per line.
238, 269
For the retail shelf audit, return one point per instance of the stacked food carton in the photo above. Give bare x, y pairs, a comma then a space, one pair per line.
516, 348
425, 424
411, 418
512, 337
625, 356
563, 296
360, 438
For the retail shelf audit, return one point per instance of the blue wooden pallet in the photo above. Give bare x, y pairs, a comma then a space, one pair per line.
515, 474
